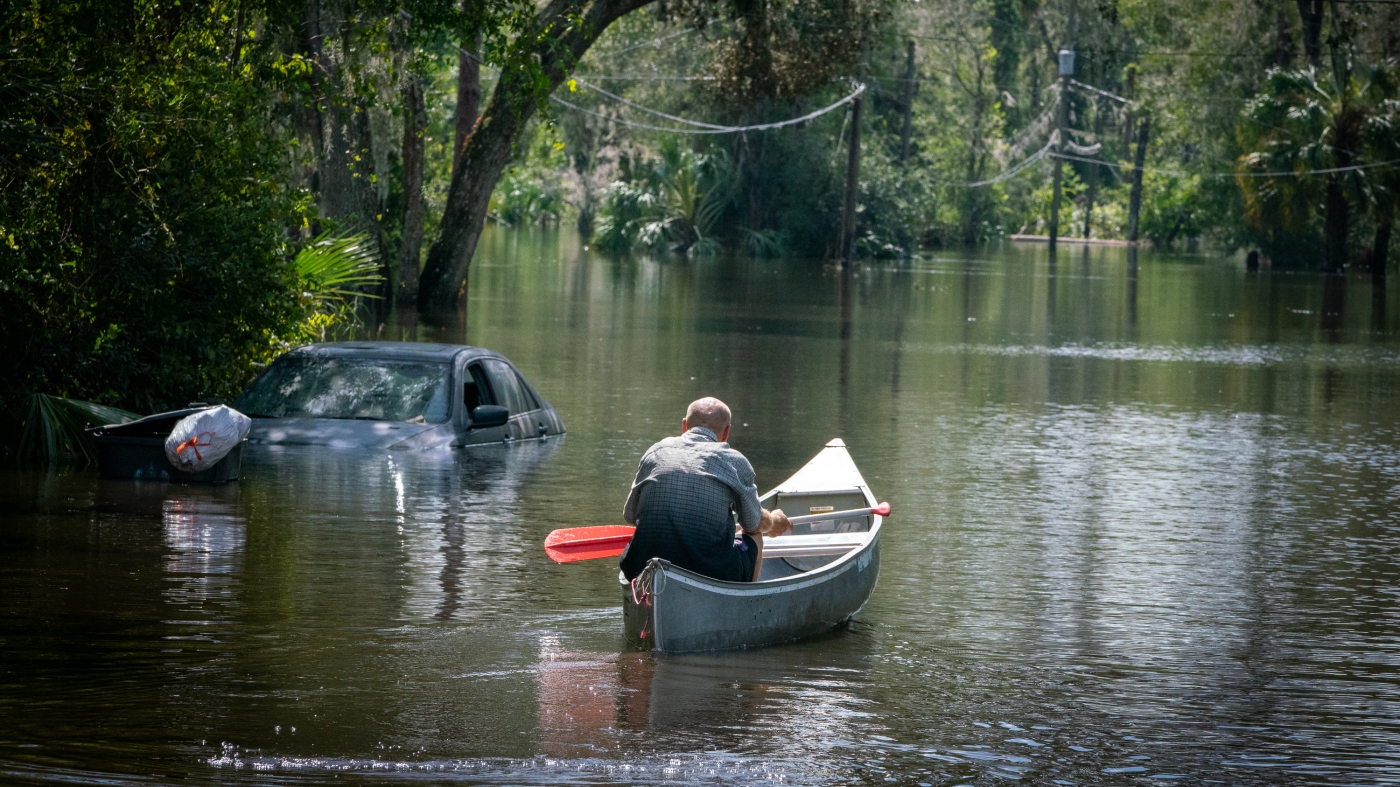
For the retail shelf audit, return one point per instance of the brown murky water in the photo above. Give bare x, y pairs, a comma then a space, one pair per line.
1147, 522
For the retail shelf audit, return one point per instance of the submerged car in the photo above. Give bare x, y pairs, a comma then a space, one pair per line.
394, 395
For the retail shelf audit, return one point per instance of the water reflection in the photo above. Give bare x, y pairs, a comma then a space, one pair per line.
1334, 291
1378, 288
1132, 281
453, 516
205, 536
1146, 526
585, 697
812, 698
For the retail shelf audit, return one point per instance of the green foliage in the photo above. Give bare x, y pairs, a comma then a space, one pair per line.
765, 243
334, 265
533, 190
144, 206
675, 205
1308, 119
53, 429
627, 208
1172, 207
1071, 191
522, 199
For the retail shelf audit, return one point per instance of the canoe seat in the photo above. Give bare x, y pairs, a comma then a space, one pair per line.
816, 545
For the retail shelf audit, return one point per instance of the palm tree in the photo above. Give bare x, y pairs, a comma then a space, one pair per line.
1305, 120
676, 206
1381, 136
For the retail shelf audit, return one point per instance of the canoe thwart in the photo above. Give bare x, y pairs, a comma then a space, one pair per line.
881, 510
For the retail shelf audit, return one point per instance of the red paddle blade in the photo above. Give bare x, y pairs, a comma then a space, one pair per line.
881, 510
573, 544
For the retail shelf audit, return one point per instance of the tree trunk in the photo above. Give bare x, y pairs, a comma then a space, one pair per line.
237, 38
338, 124
847, 251
415, 123
756, 78
1335, 223
1128, 120
311, 114
573, 26
1311, 13
1283, 41
1380, 249
909, 86
1392, 31
468, 99
1135, 196
1061, 124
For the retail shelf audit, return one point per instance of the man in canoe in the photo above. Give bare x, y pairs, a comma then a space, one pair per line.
688, 494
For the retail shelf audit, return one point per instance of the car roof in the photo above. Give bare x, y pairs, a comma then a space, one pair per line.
402, 351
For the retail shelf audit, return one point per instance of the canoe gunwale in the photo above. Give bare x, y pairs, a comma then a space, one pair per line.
844, 586
765, 586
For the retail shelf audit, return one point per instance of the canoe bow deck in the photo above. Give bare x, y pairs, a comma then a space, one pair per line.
812, 580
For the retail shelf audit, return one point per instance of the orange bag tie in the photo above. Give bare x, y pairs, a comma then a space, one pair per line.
194, 443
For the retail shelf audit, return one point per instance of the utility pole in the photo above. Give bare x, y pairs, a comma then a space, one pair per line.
908, 106
1062, 121
1128, 111
848, 208
1135, 196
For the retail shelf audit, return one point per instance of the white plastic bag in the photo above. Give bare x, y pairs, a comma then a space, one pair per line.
201, 439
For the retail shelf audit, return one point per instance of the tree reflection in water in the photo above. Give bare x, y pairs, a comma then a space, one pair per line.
592, 703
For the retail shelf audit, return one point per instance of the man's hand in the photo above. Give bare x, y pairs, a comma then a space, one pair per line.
774, 523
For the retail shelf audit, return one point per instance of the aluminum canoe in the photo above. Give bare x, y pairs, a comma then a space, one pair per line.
812, 580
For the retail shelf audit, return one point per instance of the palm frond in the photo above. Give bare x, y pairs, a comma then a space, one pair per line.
705, 247
334, 265
765, 243
54, 428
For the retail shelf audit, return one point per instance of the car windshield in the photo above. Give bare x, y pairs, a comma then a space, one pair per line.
380, 390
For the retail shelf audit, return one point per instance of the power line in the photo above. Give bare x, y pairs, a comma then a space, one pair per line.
707, 128
654, 41
711, 128
1104, 93
648, 110
1019, 168
644, 78
702, 128
1285, 174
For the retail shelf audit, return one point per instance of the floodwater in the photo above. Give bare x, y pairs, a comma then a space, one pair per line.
1146, 530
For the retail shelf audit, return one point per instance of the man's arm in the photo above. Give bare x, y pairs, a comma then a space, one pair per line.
746, 506
634, 497
629, 509
754, 519
775, 523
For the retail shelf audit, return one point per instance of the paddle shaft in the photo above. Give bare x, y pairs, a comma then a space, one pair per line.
590, 543
881, 510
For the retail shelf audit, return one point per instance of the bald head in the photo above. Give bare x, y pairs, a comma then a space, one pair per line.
710, 413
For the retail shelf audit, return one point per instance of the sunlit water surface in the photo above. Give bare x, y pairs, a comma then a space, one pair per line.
1145, 531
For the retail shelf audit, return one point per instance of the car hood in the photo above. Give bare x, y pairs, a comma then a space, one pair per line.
346, 433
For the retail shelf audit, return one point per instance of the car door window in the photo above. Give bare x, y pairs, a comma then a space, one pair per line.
505, 384
475, 389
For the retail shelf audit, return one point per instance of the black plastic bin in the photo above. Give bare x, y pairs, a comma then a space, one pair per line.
136, 451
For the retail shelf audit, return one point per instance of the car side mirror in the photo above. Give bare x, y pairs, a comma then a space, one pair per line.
486, 415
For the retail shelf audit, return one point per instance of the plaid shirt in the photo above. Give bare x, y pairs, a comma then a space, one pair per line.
685, 500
